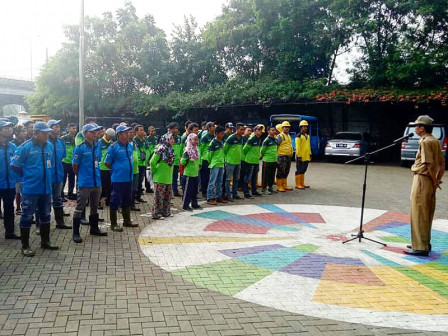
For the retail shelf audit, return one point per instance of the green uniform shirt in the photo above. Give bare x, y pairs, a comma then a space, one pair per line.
104, 146
161, 172
251, 150
183, 141
226, 136
177, 149
191, 167
79, 138
233, 150
152, 143
135, 155
203, 145
142, 147
269, 150
69, 146
216, 154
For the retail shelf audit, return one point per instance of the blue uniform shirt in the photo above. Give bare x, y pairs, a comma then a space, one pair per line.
57, 175
8, 178
88, 160
122, 163
36, 162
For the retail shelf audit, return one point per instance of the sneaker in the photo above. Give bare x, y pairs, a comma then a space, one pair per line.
273, 191
248, 196
211, 202
238, 197
158, 218
198, 208
256, 193
266, 192
187, 208
230, 199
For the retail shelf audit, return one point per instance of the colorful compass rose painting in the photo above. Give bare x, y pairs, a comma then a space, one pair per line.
290, 257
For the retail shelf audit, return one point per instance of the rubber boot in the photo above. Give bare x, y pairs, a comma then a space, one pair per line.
76, 235
280, 187
285, 184
25, 238
37, 224
127, 218
45, 237
84, 221
113, 221
94, 229
59, 218
303, 182
8, 221
299, 184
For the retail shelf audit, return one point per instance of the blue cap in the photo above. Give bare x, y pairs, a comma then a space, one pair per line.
5, 123
91, 128
40, 126
53, 122
122, 128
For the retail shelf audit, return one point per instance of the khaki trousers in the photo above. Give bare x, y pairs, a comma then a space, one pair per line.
423, 205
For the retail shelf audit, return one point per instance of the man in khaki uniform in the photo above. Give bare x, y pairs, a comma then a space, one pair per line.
428, 170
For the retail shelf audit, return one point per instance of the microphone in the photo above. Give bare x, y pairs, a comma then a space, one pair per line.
410, 135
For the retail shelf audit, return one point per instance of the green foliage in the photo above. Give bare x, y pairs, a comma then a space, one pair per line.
255, 52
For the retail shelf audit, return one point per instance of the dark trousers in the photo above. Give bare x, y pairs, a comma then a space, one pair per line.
141, 178
301, 167
268, 174
242, 174
70, 174
106, 184
283, 166
251, 176
191, 192
8, 196
121, 195
175, 178
205, 177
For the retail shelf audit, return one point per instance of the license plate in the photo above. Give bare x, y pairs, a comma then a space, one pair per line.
341, 145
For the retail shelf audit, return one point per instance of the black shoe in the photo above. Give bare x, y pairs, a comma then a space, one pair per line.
187, 208
410, 247
76, 236
150, 191
417, 253
248, 196
198, 208
237, 197
12, 236
94, 230
134, 208
45, 237
256, 193
141, 200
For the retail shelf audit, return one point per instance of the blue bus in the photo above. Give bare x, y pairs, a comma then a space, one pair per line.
318, 142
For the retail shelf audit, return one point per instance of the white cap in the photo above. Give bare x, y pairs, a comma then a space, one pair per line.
110, 132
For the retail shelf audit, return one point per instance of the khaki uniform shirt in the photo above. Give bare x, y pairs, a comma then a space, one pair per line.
429, 159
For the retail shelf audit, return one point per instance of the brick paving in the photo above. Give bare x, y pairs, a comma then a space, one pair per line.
107, 286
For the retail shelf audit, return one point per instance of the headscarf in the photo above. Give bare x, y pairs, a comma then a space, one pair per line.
190, 148
165, 150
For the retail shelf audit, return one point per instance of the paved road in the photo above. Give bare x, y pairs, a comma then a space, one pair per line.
107, 286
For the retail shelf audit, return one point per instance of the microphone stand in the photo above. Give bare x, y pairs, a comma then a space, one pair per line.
366, 157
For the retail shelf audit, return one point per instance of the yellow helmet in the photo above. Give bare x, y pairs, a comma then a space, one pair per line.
279, 127
303, 123
286, 124
262, 127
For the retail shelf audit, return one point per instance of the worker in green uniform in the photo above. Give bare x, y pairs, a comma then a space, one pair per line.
268, 153
191, 160
251, 152
207, 137
141, 146
69, 140
233, 152
152, 141
173, 128
216, 164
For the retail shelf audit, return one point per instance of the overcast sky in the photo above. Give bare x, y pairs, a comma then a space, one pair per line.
28, 28
31, 26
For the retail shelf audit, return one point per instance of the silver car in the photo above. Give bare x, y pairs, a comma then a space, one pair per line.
409, 147
348, 144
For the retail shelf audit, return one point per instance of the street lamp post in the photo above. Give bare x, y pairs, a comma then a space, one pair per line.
81, 67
